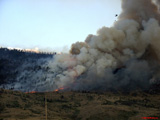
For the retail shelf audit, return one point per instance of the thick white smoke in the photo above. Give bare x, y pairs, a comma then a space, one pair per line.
125, 56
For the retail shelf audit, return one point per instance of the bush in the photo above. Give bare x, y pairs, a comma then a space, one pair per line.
13, 104
106, 102
2, 107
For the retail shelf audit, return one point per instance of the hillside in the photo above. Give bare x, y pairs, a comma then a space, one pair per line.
78, 106
30, 71
19, 66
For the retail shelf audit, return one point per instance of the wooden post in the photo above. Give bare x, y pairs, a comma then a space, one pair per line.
46, 105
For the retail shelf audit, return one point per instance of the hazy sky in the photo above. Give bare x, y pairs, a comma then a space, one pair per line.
53, 23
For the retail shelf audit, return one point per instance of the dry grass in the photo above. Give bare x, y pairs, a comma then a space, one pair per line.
78, 106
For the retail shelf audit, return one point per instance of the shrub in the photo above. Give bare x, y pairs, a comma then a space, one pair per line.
2, 107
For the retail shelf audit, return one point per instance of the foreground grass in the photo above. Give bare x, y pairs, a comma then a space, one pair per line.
16, 105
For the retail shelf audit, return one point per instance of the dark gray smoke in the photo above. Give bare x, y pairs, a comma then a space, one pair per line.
135, 75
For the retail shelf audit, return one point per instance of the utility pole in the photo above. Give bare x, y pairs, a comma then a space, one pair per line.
46, 105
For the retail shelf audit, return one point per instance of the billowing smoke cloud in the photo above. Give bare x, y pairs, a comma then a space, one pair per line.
112, 59
117, 57
123, 57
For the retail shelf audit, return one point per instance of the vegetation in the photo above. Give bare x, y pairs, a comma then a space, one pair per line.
16, 105
13, 62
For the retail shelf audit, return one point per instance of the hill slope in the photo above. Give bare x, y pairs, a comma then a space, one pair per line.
78, 106
20, 70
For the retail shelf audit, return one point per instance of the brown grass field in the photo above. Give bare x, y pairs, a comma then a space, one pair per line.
15, 105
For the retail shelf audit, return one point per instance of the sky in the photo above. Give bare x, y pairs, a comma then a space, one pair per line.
53, 24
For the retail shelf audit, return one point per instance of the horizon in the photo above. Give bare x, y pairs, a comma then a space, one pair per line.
53, 25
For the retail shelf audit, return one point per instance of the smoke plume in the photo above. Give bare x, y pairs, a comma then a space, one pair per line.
117, 57
123, 57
